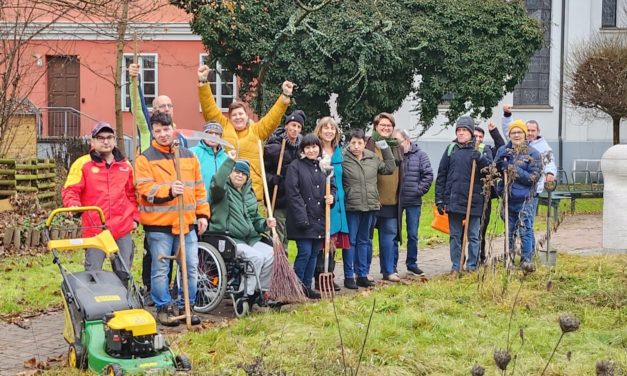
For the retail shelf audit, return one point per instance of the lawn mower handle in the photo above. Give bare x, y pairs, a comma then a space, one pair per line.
74, 210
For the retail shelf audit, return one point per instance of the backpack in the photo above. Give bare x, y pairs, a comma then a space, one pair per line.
451, 148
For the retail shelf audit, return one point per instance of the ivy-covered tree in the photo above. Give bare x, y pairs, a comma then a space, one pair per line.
368, 52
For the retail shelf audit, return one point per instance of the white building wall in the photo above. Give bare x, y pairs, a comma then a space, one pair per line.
584, 136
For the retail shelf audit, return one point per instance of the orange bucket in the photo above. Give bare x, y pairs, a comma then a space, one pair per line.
440, 221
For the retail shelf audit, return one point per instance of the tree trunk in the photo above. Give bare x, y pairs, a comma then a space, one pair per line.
616, 129
119, 58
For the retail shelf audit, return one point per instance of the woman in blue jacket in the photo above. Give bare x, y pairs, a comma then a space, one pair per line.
330, 135
210, 155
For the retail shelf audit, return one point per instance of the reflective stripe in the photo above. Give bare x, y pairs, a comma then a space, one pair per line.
190, 184
151, 195
165, 209
201, 201
144, 180
199, 182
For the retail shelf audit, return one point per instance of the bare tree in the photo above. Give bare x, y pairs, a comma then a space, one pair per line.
597, 78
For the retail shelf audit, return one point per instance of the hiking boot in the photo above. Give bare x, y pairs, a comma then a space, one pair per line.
166, 316
194, 319
415, 271
364, 282
146, 297
350, 284
392, 277
311, 293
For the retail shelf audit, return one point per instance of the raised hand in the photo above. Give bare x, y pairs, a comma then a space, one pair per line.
203, 73
133, 70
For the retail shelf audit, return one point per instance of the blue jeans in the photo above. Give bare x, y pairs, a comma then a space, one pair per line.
521, 221
532, 208
412, 221
305, 263
456, 232
388, 246
359, 235
165, 244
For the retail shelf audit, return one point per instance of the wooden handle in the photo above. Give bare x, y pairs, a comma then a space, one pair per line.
265, 185
182, 257
278, 172
462, 257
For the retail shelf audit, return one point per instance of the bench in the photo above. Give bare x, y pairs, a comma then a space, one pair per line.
567, 190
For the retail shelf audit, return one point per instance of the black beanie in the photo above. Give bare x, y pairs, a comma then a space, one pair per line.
297, 116
466, 122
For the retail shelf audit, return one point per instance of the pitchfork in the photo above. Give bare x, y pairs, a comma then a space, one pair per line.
325, 280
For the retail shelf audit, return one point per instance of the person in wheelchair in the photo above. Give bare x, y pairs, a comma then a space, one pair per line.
234, 213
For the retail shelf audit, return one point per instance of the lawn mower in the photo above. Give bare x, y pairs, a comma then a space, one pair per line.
106, 327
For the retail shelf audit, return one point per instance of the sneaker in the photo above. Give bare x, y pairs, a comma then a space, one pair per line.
311, 293
364, 282
350, 284
166, 316
370, 278
415, 271
392, 277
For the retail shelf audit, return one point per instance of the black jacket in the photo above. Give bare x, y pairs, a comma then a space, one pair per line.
304, 187
271, 154
417, 176
453, 181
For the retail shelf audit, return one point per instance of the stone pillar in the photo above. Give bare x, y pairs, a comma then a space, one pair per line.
614, 167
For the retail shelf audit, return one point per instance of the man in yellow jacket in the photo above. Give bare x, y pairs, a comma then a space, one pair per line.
159, 189
239, 130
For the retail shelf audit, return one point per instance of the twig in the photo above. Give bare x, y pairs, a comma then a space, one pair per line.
363, 345
339, 331
553, 353
511, 314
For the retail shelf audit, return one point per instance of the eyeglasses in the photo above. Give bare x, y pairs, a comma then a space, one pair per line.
166, 105
212, 133
518, 133
383, 125
103, 139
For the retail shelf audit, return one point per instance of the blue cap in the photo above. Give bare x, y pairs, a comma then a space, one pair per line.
242, 166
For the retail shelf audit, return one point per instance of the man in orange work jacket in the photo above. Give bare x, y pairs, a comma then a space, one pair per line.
104, 178
159, 190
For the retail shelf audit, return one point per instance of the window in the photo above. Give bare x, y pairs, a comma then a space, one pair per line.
608, 13
534, 89
148, 72
223, 84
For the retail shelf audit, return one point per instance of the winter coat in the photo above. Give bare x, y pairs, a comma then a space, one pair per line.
453, 182
360, 179
339, 223
388, 185
234, 212
210, 161
91, 182
305, 188
417, 176
271, 155
245, 141
528, 168
546, 154
158, 209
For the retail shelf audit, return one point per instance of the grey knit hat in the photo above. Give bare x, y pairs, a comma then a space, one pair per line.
466, 122
212, 126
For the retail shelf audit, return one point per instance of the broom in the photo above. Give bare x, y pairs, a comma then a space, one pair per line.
285, 286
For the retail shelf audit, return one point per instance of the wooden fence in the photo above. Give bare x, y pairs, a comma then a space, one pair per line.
30, 176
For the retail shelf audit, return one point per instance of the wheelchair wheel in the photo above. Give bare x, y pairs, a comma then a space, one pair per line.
241, 307
212, 278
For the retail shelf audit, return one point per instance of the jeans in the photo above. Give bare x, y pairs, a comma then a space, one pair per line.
521, 221
532, 208
94, 258
456, 231
166, 244
359, 234
261, 255
388, 245
412, 221
305, 262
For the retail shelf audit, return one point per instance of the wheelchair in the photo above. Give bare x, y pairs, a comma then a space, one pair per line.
222, 273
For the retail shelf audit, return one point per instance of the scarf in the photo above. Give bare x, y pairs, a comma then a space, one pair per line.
391, 141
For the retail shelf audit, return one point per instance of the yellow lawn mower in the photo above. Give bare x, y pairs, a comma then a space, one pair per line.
106, 326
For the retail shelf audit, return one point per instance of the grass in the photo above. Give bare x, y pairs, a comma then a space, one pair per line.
439, 328
31, 283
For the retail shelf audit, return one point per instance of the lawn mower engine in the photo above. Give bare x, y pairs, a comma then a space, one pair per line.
132, 333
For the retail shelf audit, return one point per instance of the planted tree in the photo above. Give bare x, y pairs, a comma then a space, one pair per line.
597, 79
368, 52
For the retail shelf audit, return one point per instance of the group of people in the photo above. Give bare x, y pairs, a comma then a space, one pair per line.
368, 182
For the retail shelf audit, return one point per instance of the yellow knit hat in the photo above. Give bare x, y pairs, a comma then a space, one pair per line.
517, 124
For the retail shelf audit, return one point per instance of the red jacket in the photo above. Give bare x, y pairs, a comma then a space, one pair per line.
91, 182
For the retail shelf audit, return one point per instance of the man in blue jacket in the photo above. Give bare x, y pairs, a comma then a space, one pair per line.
416, 179
453, 186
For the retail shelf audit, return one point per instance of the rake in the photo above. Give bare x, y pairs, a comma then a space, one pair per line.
325, 280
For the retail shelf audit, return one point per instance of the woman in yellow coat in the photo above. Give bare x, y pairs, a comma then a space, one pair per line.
239, 130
